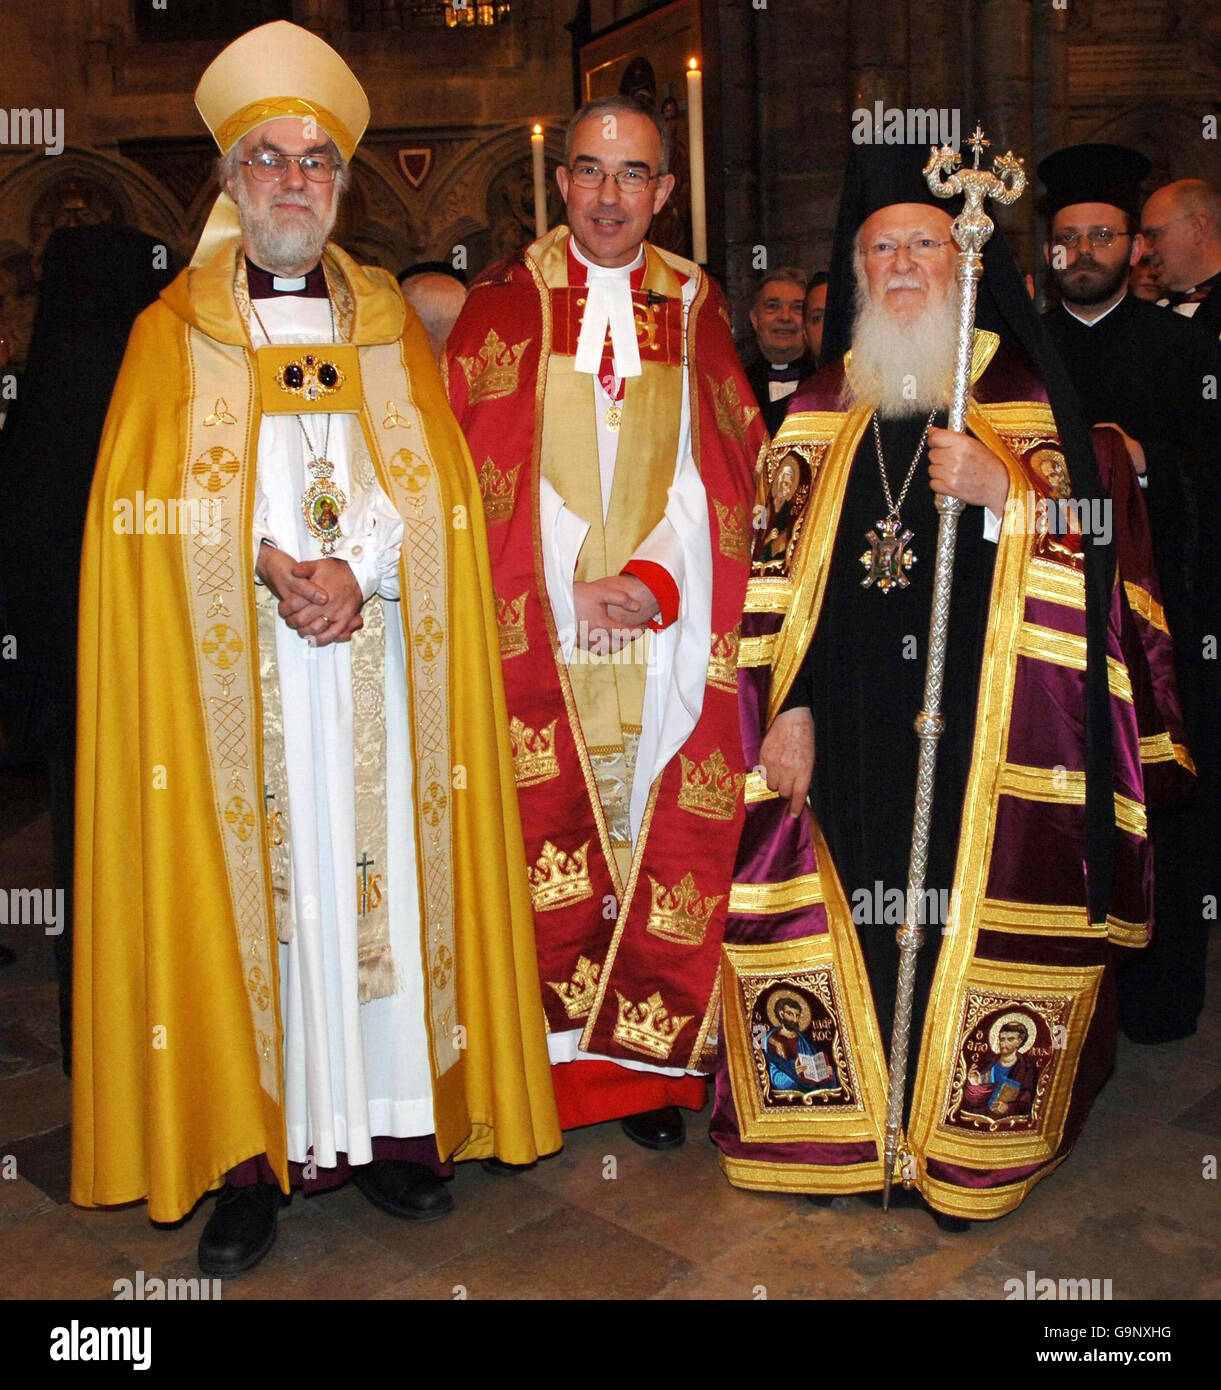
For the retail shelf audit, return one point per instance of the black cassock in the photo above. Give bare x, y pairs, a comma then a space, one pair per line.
1156, 374
863, 677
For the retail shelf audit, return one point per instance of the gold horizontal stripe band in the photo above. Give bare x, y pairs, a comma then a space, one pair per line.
1159, 748
1067, 649
1130, 815
1057, 785
763, 1176
1060, 787
1142, 601
1062, 919
766, 898
1156, 748
756, 651
1055, 584
1118, 681
1021, 417
1127, 933
766, 595
758, 790
1048, 644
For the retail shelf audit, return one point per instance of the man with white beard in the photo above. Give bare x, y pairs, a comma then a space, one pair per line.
305, 949
832, 666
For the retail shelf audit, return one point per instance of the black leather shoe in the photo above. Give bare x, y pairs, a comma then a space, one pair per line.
241, 1229
407, 1190
500, 1169
656, 1129
901, 1198
820, 1199
951, 1225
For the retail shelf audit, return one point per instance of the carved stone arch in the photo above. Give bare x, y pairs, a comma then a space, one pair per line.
467, 232
100, 187
463, 195
1169, 135
375, 225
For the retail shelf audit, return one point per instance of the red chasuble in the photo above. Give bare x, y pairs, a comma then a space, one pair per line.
632, 959
1019, 1031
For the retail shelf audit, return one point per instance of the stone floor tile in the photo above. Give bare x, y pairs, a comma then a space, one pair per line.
49, 1255
568, 1254
45, 1160
486, 1208
32, 1103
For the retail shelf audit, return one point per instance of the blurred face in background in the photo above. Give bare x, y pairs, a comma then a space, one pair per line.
815, 313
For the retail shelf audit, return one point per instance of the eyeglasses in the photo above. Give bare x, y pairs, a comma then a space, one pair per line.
271, 168
1096, 236
921, 249
627, 180
1154, 234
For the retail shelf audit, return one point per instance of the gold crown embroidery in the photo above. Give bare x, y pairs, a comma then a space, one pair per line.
493, 371
511, 620
649, 1027
680, 913
499, 492
723, 662
577, 994
559, 879
534, 755
732, 417
732, 531
710, 789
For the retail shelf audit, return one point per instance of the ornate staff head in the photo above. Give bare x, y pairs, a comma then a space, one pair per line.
1004, 183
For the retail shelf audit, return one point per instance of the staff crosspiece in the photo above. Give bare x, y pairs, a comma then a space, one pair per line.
1004, 184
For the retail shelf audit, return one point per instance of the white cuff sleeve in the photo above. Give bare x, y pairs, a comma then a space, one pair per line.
992, 526
663, 547
262, 524
563, 534
371, 542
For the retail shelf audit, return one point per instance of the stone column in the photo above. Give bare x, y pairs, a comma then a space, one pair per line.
737, 180
878, 53
1004, 77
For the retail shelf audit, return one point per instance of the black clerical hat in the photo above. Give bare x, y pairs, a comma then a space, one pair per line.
1094, 174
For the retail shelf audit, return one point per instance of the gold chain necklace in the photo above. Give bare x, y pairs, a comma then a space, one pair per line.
889, 557
324, 501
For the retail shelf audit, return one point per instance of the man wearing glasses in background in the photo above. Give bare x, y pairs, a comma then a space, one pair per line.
1181, 225
615, 435
1147, 372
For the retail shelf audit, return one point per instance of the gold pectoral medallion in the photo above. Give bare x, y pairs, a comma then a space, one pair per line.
888, 558
323, 505
614, 416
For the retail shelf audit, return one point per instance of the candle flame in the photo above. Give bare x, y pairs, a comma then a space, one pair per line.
693, 64
538, 130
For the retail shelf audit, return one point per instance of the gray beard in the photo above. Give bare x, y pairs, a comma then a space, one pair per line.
283, 249
905, 366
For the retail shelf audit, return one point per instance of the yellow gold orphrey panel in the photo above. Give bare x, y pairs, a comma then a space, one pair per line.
1059, 1001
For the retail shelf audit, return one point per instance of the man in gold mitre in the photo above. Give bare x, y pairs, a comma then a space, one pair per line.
305, 949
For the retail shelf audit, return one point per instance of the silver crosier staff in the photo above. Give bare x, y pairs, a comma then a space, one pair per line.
971, 229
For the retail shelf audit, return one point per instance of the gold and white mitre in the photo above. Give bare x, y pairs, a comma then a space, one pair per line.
275, 70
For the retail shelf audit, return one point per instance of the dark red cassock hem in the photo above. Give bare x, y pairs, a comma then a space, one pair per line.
422, 1149
587, 1093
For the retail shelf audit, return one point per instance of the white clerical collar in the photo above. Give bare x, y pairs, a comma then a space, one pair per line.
609, 271
608, 305
292, 286
1091, 323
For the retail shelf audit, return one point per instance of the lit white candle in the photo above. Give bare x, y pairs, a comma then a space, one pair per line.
540, 181
695, 141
